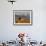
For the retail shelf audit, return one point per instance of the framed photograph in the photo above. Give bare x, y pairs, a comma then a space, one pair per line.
22, 17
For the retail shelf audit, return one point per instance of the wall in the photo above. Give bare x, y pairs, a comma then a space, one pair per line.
38, 30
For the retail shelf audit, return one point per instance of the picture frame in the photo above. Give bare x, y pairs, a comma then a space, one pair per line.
22, 17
